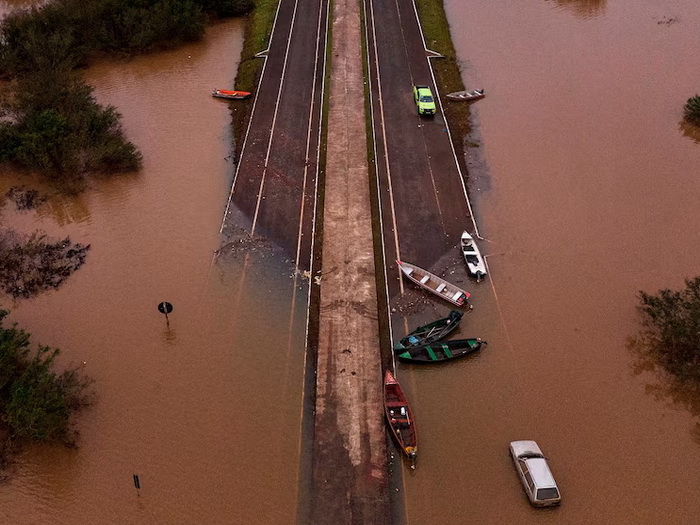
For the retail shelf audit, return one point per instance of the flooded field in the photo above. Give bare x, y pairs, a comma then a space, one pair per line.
207, 410
585, 185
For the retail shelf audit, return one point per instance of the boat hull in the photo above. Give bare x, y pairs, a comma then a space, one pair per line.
472, 256
431, 332
434, 284
231, 95
475, 94
399, 416
439, 352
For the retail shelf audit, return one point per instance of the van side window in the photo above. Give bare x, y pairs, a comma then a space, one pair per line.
528, 478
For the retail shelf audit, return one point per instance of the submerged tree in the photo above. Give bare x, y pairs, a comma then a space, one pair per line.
36, 402
62, 132
691, 111
672, 329
34, 264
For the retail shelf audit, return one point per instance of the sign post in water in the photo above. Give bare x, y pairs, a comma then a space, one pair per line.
165, 308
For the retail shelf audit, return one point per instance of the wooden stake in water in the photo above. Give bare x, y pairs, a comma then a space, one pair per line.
165, 308
137, 483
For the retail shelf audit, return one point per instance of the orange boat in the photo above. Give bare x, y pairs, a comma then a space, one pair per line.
233, 95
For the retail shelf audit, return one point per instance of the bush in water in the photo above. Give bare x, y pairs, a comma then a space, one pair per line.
672, 329
62, 132
36, 403
691, 111
30, 265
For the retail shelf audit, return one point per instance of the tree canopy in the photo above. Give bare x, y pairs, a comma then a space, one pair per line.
54, 126
691, 111
672, 328
63, 34
36, 402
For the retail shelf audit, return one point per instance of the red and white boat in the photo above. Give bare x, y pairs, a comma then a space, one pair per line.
233, 95
399, 416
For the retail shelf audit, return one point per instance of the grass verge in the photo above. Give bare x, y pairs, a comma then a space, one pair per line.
436, 31
258, 27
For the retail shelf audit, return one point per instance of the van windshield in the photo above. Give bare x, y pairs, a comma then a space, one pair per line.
550, 493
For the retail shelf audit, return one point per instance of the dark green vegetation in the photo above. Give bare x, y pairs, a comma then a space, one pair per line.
36, 403
50, 122
65, 34
672, 329
691, 110
34, 264
669, 345
436, 31
52, 125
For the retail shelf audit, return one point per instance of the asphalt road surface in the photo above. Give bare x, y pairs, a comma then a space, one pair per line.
424, 207
274, 190
423, 202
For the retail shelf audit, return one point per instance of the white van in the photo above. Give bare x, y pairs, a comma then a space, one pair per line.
534, 474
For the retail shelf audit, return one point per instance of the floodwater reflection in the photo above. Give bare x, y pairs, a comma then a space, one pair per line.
660, 384
689, 130
582, 8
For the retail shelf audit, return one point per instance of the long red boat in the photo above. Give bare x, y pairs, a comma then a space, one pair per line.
399, 416
232, 95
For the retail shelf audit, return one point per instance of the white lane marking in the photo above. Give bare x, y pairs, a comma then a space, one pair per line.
250, 121
419, 118
274, 121
313, 219
395, 229
447, 126
308, 145
379, 191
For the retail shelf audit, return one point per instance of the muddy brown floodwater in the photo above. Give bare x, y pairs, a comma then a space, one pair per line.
207, 412
586, 187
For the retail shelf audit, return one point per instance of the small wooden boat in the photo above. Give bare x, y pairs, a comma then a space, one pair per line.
437, 352
433, 283
431, 332
233, 95
472, 256
399, 417
474, 94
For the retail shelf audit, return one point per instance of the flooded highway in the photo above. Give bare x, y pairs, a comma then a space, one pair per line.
584, 185
584, 182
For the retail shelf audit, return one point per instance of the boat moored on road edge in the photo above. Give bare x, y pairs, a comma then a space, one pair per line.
399, 417
431, 332
472, 256
434, 284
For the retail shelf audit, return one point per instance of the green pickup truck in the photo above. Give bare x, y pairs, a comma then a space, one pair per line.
424, 100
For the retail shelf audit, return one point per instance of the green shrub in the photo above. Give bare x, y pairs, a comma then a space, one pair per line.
64, 33
672, 329
36, 403
62, 132
691, 111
